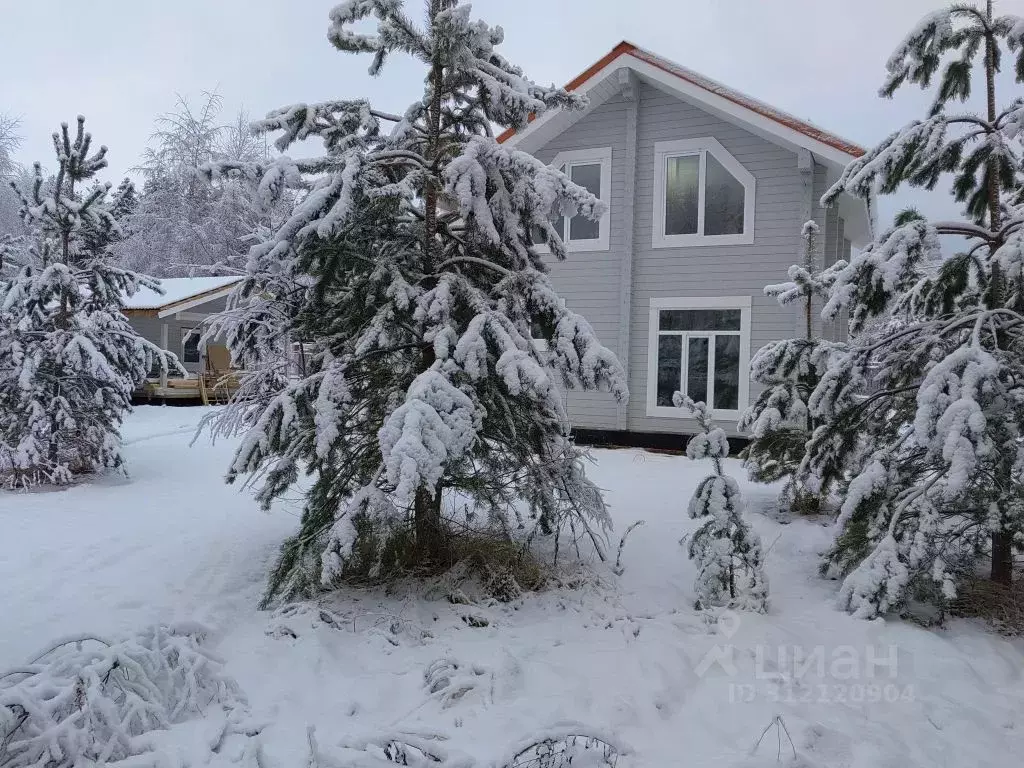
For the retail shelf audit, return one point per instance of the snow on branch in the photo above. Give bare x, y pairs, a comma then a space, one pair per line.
726, 550
411, 266
437, 424
408, 748
340, 124
564, 745
396, 29
917, 56
508, 194
86, 700
883, 272
499, 89
914, 152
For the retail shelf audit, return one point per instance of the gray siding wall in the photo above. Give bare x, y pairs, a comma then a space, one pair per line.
149, 329
734, 270
589, 280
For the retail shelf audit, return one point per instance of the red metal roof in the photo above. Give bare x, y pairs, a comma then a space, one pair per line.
712, 86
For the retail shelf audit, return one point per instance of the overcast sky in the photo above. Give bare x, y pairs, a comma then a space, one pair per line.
121, 62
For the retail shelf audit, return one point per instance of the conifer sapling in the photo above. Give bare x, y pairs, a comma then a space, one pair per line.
69, 359
725, 549
780, 421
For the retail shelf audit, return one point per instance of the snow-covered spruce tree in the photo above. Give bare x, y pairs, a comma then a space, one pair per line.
924, 416
726, 550
780, 423
69, 359
124, 201
422, 293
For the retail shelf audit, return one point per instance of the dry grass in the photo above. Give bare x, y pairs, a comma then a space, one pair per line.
495, 563
1000, 606
504, 566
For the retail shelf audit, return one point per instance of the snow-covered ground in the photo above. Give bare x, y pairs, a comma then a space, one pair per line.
627, 656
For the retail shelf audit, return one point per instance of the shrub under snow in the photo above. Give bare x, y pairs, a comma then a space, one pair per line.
85, 700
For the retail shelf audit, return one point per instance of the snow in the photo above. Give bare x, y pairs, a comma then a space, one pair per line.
121, 553
177, 289
434, 427
627, 657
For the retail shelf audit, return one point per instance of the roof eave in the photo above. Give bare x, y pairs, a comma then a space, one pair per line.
780, 127
180, 305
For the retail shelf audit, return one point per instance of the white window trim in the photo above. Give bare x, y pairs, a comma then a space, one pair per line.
742, 303
603, 156
666, 149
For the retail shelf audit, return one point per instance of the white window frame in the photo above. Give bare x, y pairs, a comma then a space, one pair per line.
596, 155
742, 303
663, 150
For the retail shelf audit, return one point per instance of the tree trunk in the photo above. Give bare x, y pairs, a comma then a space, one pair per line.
430, 539
990, 93
1002, 549
433, 153
1002, 558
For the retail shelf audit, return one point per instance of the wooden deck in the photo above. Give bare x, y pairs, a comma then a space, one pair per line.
210, 388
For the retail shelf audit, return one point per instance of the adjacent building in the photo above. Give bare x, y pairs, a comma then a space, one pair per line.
172, 320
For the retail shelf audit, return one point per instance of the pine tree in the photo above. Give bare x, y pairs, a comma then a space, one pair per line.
727, 551
922, 418
780, 422
69, 360
410, 274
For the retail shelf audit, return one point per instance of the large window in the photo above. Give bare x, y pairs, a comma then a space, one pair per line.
702, 195
701, 347
591, 169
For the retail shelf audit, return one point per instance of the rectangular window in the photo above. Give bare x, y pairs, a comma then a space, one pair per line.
587, 176
190, 345
682, 195
697, 368
702, 195
670, 365
700, 347
592, 170
699, 320
727, 372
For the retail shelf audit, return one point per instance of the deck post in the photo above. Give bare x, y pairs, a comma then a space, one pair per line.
163, 346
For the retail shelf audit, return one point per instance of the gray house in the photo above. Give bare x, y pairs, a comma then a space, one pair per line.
707, 191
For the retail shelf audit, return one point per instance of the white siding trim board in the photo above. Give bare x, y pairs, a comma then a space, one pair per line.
631, 92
